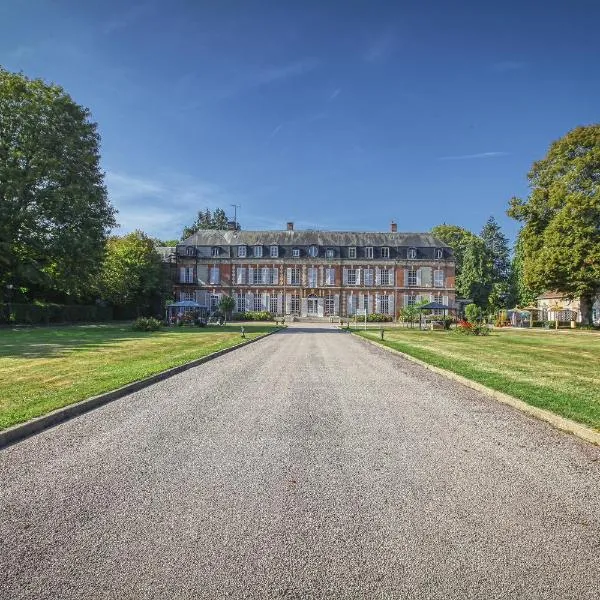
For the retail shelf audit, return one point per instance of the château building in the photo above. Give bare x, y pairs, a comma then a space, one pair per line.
314, 273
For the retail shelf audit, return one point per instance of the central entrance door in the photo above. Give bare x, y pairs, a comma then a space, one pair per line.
312, 305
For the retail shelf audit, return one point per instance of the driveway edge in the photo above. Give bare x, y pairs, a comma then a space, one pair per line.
21, 431
562, 423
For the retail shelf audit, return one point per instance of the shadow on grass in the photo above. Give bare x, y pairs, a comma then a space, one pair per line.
54, 342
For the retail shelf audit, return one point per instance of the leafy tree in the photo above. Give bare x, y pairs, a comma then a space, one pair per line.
132, 272
457, 238
54, 211
226, 305
475, 279
473, 313
561, 219
207, 220
496, 244
519, 292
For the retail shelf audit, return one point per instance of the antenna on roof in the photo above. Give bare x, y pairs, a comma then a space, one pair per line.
235, 207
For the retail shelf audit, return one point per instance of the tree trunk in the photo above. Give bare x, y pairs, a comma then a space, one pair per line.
585, 306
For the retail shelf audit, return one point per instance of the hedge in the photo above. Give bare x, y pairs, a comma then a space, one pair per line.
31, 314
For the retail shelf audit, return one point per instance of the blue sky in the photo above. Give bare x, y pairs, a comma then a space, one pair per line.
336, 115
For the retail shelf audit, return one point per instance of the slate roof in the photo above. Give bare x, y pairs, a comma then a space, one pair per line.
210, 237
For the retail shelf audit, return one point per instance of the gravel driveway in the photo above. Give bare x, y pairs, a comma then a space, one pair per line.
307, 465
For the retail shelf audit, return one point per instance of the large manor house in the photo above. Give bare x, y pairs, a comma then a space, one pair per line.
313, 273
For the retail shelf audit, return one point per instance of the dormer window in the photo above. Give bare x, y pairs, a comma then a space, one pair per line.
439, 253
274, 251
412, 253
385, 252
215, 251
352, 252
329, 253
241, 252
369, 252
190, 250
313, 251
296, 252
258, 251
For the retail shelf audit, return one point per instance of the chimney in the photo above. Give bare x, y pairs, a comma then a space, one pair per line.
290, 225
393, 227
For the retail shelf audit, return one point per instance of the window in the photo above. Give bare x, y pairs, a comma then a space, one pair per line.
411, 300
186, 296
256, 277
385, 277
190, 251
186, 275
275, 276
312, 277
329, 253
214, 301
385, 252
329, 276
313, 251
351, 277
369, 252
438, 298
241, 252
258, 302
384, 305
215, 276
368, 275
365, 302
296, 252
412, 253
438, 278
240, 303
352, 252
294, 276
439, 253
215, 252
258, 251
273, 308
412, 277
295, 304
241, 275
352, 305
274, 251
329, 305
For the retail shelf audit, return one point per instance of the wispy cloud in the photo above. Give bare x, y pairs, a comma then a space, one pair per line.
334, 94
161, 206
509, 65
276, 130
474, 156
380, 48
128, 16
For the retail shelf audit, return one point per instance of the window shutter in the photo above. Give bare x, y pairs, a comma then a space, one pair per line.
241, 275
250, 275
405, 299
377, 303
418, 298
289, 282
266, 275
336, 304
445, 300
377, 277
345, 276
418, 276
370, 304
265, 302
405, 277
391, 305
426, 276
288, 299
249, 301
280, 303
182, 275
202, 275
357, 276
275, 276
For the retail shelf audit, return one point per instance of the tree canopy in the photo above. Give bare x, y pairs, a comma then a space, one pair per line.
54, 211
561, 218
207, 220
132, 271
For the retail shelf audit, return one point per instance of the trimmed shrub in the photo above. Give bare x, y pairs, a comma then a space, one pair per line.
252, 316
379, 318
146, 324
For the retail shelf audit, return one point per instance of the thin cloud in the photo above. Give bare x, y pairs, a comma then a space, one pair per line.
474, 156
161, 207
275, 131
509, 65
380, 48
334, 94
268, 75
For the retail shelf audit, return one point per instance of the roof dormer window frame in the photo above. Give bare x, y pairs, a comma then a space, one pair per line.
295, 252
215, 251
258, 251
368, 251
411, 253
242, 251
190, 251
385, 252
313, 251
439, 253
352, 252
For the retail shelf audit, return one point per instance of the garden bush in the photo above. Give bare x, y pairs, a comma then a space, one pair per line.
146, 324
379, 318
253, 316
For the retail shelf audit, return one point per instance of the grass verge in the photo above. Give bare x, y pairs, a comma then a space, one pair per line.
42, 369
555, 371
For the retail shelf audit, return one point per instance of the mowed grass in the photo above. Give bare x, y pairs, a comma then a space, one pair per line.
42, 369
558, 371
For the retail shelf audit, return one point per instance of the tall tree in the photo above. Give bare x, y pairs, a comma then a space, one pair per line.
561, 219
520, 292
207, 220
132, 272
475, 279
496, 244
54, 211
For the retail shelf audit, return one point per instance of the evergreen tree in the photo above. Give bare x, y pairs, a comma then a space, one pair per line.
207, 220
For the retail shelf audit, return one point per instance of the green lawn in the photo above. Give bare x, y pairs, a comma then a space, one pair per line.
42, 369
558, 371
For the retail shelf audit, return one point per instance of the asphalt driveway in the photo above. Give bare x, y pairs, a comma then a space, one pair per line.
307, 465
